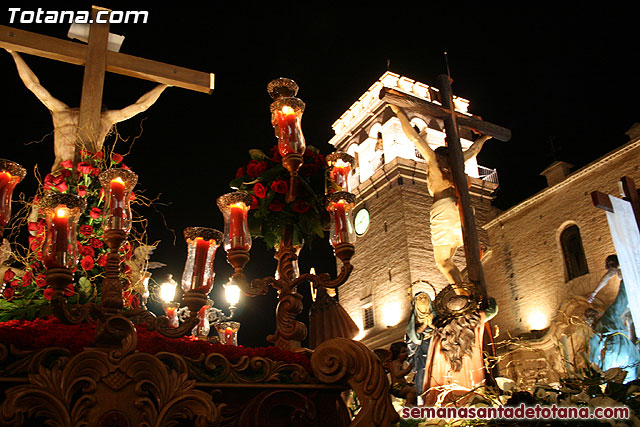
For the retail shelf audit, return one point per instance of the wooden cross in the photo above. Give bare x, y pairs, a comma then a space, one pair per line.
453, 120
96, 61
602, 201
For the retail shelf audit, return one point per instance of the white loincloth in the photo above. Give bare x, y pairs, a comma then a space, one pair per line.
445, 223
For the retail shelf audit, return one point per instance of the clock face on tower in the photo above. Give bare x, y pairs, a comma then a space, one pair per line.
361, 221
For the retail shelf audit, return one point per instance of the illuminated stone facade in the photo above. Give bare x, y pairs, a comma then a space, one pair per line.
390, 182
524, 266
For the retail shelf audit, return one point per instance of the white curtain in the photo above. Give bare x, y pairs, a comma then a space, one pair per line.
626, 239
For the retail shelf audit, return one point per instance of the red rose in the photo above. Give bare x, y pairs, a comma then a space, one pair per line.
69, 291
84, 168
116, 158
82, 190
276, 206
300, 206
65, 173
260, 191
32, 226
67, 164
102, 260
95, 171
56, 180
41, 280
99, 155
87, 263
8, 275
125, 167
254, 203
87, 251
27, 278
62, 187
96, 243
239, 172
8, 293
48, 293
256, 168
280, 186
95, 213
86, 230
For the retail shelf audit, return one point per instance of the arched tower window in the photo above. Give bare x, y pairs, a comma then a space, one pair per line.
574, 260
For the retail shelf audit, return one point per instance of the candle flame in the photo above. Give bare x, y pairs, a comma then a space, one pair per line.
240, 205
288, 110
341, 164
118, 179
61, 212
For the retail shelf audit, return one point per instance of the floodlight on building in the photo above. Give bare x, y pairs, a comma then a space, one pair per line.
538, 320
391, 314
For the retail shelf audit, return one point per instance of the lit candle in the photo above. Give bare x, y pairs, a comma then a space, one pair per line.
200, 264
340, 174
116, 187
289, 137
172, 314
6, 188
237, 219
228, 336
59, 239
340, 218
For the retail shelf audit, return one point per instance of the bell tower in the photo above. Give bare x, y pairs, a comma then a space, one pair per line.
393, 247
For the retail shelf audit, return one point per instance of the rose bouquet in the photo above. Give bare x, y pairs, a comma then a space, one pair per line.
267, 181
23, 290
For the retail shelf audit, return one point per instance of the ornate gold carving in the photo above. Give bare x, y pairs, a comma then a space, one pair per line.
216, 368
340, 359
82, 390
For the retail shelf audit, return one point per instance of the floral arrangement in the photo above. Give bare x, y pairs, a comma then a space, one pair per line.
267, 181
24, 292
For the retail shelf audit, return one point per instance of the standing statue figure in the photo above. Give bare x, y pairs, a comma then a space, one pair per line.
65, 119
418, 336
446, 231
455, 365
611, 345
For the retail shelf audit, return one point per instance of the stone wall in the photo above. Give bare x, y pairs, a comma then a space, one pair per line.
525, 268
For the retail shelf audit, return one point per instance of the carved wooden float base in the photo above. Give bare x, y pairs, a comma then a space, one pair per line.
122, 387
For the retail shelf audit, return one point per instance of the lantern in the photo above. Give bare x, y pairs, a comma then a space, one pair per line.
341, 165
11, 174
234, 208
286, 114
62, 212
202, 244
339, 205
117, 185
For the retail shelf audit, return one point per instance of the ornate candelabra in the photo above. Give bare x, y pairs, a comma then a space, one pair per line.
61, 250
286, 114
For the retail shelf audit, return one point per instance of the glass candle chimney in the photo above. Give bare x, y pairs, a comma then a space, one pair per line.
117, 185
202, 244
62, 212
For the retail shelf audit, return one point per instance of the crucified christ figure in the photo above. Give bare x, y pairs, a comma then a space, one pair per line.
65, 119
446, 231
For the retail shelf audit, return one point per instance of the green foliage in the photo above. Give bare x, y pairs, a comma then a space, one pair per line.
267, 181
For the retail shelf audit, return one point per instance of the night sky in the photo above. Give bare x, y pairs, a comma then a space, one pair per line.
562, 78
